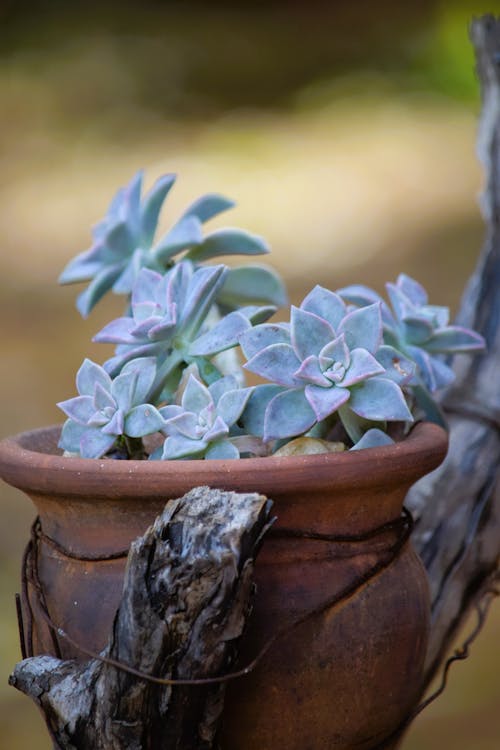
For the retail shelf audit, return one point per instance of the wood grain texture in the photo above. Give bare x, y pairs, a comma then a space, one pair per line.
200, 551
457, 507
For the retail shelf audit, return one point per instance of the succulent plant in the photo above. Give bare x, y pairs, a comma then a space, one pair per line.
204, 425
109, 410
124, 243
421, 332
345, 365
168, 313
326, 362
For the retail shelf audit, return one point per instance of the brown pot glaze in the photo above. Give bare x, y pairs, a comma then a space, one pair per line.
347, 675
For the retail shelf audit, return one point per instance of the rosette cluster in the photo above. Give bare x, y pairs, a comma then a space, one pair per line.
168, 319
421, 332
107, 409
204, 425
124, 242
344, 366
328, 359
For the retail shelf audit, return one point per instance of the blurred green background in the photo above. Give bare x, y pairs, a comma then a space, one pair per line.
346, 133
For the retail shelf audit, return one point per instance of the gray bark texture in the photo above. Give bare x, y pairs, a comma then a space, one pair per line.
457, 507
197, 562
197, 558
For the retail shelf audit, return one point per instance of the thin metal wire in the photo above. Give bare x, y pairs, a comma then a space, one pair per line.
460, 654
39, 534
403, 526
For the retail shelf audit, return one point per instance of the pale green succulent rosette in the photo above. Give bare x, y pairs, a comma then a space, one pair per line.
124, 242
345, 359
422, 333
327, 361
109, 409
168, 320
204, 425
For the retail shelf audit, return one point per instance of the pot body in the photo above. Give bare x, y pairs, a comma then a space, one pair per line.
344, 600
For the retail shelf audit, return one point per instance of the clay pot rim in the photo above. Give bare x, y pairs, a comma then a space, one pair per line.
27, 463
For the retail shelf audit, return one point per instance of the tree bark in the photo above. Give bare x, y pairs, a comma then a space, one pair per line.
457, 507
197, 562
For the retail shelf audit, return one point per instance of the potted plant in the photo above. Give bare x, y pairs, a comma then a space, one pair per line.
329, 436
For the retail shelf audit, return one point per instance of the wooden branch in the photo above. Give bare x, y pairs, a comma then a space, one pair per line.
186, 596
458, 507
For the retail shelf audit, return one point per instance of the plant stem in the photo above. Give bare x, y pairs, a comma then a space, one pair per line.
351, 424
164, 370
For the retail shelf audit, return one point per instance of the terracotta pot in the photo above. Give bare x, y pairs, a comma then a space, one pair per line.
348, 674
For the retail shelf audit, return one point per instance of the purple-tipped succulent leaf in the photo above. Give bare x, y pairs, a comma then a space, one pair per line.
373, 438
202, 426
228, 242
363, 328
309, 333
109, 408
379, 399
325, 304
124, 243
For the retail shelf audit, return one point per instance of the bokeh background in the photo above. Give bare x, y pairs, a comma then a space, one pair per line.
345, 131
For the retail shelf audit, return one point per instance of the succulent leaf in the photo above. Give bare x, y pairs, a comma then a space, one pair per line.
414, 291
255, 410
222, 450
278, 363
309, 332
456, 339
80, 409
223, 335
124, 243
325, 304
379, 399
196, 396
362, 365
94, 443
153, 203
176, 447
256, 284
89, 375
186, 233
98, 419
325, 401
363, 328
208, 206
417, 331
397, 367
100, 284
143, 420
256, 339
336, 351
428, 406
310, 371
231, 404
228, 242
373, 438
362, 296
288, 414
202, 426
204, 283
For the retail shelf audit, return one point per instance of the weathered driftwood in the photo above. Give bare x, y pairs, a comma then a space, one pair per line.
197, 562
457, 508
